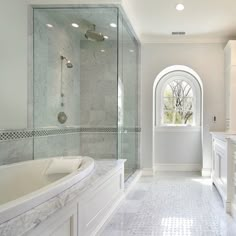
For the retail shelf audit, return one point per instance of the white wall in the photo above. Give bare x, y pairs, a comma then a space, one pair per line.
180, 147
208, 61
13, 64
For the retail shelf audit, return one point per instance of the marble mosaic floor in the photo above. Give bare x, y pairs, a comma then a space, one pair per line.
172, 204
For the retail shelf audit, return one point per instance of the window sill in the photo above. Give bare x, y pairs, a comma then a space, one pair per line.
178, 128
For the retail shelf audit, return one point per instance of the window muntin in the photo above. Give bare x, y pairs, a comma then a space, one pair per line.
178, 103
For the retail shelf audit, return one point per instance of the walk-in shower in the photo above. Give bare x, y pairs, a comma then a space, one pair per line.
86, 84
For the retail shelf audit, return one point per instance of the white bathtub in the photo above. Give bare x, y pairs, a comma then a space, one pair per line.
24, 185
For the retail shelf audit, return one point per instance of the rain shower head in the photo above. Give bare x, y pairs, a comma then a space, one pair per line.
68, 62
94, 36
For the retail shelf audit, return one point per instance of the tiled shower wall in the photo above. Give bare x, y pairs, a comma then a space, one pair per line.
98, 97
50, 73
49, 70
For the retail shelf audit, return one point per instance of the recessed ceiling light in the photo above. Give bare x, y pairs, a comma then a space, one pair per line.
102, 50
106, 37
113, 25
131, 50
75, 25
180, 7
49, 25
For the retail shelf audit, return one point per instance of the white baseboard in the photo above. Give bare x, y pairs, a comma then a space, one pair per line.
206, 172
177, 167
148, 171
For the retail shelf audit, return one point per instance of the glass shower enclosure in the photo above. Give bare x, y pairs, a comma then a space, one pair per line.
86, 85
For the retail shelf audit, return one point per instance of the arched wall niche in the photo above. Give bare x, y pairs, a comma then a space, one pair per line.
157, 88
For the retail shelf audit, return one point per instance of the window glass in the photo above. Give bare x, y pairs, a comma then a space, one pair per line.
178, 103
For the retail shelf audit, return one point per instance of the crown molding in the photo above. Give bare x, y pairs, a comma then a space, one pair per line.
145, 39
73, 2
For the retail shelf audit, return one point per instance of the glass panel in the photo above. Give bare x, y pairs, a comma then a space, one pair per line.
177, 109
77, 85
75, 82
188, 118
179, 117
188, 104
128, 79
168, 91
169, 103
168, 117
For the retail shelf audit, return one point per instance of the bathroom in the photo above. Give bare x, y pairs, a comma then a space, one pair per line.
80, 111
79, 87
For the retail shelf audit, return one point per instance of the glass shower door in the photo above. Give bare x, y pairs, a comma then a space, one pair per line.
128, 98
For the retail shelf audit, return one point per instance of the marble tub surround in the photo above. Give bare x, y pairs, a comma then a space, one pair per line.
171, 204
41, 185
30, 219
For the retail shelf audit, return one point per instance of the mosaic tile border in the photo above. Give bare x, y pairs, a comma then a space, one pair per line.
22, 134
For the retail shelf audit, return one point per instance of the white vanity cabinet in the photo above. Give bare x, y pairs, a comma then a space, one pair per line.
230, 85
223, 170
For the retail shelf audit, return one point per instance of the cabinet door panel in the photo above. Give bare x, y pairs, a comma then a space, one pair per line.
62, 223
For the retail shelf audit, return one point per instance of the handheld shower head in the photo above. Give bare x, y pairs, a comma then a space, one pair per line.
68, 62
69, 65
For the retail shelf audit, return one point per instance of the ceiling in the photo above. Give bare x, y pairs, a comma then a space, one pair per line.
212, 20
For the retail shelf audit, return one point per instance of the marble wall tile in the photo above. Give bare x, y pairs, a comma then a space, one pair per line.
58, 145
49, 45
99, 145
16, 151
98, 84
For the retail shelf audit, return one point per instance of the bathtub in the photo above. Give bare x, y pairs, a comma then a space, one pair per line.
24, 185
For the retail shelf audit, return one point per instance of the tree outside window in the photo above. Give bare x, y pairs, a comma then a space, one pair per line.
177, 103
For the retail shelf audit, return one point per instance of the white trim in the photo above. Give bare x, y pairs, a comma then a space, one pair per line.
146, 39
177, 167
71, 2
148, 171
170, 129
233, 211
206, 172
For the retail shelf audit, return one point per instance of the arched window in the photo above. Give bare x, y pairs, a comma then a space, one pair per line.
178, 100
178, 103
